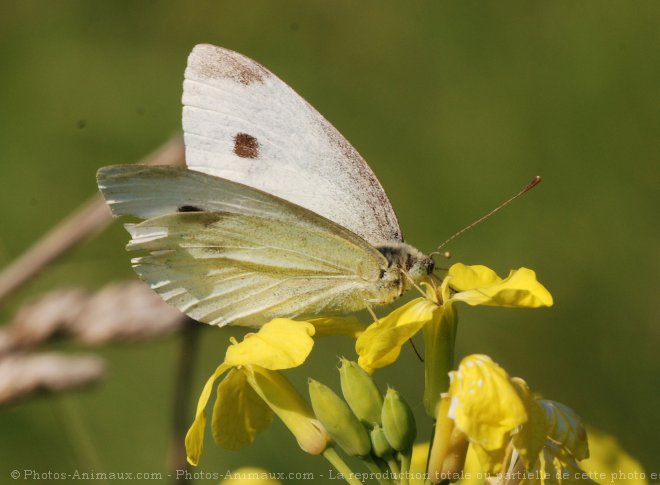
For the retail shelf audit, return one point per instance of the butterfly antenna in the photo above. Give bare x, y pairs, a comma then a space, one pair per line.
535, 181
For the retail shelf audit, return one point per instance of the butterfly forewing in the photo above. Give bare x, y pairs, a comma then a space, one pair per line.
244, 124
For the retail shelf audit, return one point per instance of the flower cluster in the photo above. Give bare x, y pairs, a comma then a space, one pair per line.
477, 409
511, 431
252, 390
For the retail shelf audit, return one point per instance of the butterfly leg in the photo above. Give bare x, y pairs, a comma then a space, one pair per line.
371, 311
413, 283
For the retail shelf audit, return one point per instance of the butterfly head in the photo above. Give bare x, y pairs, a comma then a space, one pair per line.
421, 267
406, 258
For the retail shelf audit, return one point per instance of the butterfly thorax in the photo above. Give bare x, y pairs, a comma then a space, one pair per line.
402, 257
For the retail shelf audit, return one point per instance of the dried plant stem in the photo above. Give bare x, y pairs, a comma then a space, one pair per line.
182, 392
91, 218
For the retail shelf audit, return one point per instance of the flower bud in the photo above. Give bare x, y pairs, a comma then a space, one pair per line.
360, 393
380, 446
398, 421
283, 399
338, 420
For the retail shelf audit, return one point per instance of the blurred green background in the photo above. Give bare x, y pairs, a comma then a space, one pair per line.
456, 105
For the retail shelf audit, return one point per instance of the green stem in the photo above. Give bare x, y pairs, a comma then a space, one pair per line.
377, 471
340, 465
405, 466
392, 463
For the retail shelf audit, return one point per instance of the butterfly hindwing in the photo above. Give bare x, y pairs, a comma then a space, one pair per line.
224, 268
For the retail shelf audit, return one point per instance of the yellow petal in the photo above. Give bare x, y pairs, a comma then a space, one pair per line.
280, 396
239, 413
344, 326
519, 289
560, 467
279, 344
465, 277
565, 427
490, 461
485, 404
531, 438
195, 434
380, 344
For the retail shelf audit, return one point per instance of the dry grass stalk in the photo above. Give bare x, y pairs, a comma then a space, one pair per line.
126, 311
24, 375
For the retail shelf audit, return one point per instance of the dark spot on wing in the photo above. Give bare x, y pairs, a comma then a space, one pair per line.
189, 208
246, 146
217, 63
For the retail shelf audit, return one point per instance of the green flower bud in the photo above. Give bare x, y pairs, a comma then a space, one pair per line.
380, 446
337, 418
398, 421
360, 392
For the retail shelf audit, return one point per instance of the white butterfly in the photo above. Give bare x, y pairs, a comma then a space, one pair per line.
277, 214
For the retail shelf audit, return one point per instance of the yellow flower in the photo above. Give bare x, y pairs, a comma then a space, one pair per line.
380, 344
253, 390
479, 285
510, 430
486, 406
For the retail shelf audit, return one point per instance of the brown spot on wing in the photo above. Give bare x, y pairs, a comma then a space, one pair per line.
213, 62
246, 146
